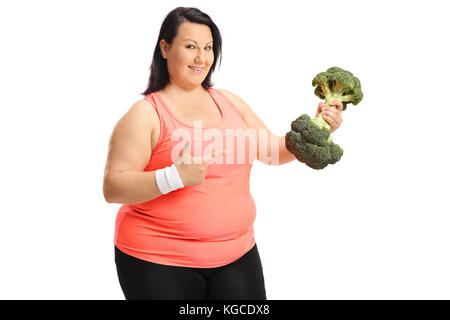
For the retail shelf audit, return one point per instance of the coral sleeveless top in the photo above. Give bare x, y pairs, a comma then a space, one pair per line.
203, 226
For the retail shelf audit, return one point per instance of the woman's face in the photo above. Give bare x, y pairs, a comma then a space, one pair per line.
192, 47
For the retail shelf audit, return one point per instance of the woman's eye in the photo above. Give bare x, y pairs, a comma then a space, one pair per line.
190, 45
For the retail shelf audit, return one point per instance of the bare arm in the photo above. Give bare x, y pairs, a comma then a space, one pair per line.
131, 187
285, 155
129, 152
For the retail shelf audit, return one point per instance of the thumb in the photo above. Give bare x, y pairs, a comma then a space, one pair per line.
185, 152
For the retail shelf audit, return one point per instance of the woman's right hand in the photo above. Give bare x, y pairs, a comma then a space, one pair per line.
192, 170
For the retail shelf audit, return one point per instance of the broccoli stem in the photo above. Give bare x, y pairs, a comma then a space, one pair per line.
322, 123
329, 98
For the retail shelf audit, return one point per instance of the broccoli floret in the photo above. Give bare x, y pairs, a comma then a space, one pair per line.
312, 144
310, 130
310, 139
338, 84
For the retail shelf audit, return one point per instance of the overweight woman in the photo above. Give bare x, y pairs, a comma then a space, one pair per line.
179, 162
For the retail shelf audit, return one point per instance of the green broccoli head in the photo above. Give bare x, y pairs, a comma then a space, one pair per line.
309, 139
338, 84
312, 144
310, 131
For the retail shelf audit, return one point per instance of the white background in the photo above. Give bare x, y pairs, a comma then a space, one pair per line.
373, 226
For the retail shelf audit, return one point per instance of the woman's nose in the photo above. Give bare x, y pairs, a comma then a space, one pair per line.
201, 56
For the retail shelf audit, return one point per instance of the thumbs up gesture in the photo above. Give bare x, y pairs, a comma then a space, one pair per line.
192, 170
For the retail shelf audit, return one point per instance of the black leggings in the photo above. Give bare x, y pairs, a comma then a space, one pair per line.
241, 279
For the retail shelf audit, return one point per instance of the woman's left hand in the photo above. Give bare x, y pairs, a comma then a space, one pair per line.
331, 115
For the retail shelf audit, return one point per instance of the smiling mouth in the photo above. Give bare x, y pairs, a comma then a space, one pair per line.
195, 69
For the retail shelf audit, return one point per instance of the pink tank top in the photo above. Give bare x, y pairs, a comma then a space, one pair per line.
203, 226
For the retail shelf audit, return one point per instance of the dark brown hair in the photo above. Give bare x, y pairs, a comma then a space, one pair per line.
159, 76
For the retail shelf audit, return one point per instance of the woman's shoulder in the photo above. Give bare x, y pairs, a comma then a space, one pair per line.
234, 98
227, 93
142, 114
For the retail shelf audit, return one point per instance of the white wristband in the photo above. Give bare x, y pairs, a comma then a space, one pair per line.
168, 179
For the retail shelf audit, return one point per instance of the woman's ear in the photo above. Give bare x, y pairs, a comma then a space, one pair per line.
163, 47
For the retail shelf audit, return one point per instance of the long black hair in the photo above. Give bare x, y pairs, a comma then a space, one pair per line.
159, 76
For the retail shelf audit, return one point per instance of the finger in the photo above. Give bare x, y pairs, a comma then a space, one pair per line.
331, 121
214, 155
184, 153
335, 115
322, 105
333, 112
320, 108
338, 104
186, 149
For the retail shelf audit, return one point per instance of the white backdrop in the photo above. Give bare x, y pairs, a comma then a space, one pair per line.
373, 226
